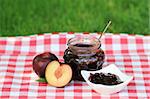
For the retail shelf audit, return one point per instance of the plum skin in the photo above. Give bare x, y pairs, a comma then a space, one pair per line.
41, 61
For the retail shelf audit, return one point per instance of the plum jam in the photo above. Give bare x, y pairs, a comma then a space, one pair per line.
84, 53
105, 79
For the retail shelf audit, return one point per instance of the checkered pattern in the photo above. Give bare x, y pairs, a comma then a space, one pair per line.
131, 53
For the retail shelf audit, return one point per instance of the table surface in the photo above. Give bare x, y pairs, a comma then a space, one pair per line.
131, 53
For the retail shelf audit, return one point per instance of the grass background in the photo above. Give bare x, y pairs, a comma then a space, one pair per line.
28, 17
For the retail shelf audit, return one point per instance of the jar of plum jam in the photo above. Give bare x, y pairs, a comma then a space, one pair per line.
83, 53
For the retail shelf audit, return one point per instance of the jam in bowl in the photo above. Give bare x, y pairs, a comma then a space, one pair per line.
84, 53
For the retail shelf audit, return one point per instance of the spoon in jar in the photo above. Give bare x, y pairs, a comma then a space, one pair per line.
105, 29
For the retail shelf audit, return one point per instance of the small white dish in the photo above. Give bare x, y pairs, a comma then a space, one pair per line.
107, 89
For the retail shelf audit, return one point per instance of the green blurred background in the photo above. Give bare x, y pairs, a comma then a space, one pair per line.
28, 17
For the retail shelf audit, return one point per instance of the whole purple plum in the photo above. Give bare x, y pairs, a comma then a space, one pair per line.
41, 61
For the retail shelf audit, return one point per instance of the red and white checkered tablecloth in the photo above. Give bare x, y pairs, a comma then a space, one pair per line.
131, 53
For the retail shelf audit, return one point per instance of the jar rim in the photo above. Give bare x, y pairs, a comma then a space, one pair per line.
93, 42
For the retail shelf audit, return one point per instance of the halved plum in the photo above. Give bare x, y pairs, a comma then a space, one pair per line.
57, 74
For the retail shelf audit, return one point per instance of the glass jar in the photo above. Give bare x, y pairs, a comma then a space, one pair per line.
84, 53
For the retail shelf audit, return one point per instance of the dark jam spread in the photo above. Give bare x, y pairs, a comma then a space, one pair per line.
83, 45
105, 79
83, 58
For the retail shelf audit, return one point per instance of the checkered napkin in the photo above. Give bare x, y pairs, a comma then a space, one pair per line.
131, 53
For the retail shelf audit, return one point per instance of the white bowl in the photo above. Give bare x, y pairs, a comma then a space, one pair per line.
107, 89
